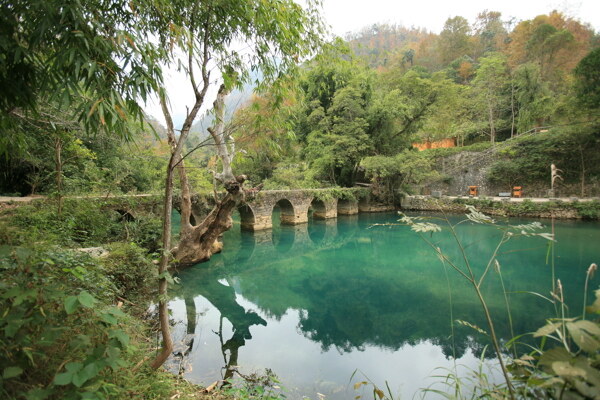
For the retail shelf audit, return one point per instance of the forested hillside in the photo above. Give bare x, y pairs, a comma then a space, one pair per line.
357, 108
362, 103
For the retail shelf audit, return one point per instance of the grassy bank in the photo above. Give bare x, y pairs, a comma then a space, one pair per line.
76, 325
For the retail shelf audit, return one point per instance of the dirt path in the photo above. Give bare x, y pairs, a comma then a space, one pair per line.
27, 199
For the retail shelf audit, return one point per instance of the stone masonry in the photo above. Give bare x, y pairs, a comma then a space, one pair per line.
256, 213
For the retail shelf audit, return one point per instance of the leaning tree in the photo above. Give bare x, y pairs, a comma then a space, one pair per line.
220, 42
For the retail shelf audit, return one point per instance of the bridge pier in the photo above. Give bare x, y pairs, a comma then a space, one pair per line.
294, 213
324, 209
257, 217
347, 207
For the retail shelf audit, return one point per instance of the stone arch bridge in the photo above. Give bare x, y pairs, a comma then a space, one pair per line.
256, 214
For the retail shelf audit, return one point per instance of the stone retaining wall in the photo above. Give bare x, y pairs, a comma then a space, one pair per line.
541, 208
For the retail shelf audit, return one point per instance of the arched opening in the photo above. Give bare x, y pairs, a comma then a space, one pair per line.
175, 226
238, 242
238, 247
246, 216
242, 218
283, 213
364, 204
283, 237
317, 213
125, 215
282, 217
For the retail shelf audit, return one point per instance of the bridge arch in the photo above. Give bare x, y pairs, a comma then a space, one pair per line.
287, 211
247, 217
323, 209
347, 207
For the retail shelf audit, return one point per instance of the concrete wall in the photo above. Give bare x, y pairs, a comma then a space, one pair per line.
464, 169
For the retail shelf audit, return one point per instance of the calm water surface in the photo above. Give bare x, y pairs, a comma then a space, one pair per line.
317, 302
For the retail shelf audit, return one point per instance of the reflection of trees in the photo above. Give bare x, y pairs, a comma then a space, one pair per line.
385, 301
350, 312
223, 298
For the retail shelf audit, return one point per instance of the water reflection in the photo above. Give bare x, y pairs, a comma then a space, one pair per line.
338, 295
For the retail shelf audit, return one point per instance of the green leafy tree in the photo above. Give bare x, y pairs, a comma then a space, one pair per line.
545, 42
92, 59
587, 86
490, 85
401, 106
401, 171
533, 99
455, 39
336, 150
333, 124
490, 32
452, 115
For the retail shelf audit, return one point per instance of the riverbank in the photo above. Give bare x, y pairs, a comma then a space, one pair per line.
75, 324
560, 208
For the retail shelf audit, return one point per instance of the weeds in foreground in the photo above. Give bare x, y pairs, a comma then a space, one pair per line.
254, 386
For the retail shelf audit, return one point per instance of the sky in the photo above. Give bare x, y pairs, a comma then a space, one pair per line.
345, 16
350, 15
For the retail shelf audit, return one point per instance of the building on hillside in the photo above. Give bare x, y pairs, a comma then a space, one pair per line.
435, 144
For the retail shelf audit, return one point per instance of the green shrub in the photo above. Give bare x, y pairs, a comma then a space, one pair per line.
588, 209
58, 341
62, 337
83, 223
130, 270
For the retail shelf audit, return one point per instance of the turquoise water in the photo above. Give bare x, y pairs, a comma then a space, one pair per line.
317, 302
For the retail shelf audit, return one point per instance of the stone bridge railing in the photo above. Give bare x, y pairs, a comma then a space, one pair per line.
256, 214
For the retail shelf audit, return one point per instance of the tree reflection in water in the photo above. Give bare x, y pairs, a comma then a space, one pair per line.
223, 298
359, 288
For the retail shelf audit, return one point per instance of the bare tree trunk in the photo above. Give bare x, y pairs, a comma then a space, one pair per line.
512, 109
491, 118
186, 197
163, 311
176, 161
199, 243
58, 164
222, 139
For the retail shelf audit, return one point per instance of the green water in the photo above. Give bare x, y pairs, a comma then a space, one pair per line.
316, 302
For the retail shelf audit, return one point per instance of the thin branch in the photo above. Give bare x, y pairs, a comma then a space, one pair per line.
492, 258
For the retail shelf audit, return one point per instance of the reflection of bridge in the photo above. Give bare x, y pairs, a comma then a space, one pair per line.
283, 243
256, 214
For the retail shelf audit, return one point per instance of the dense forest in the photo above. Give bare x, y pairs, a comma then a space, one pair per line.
325, 113
356, 109
361, 104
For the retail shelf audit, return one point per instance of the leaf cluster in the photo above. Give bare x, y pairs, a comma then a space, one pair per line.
58, 340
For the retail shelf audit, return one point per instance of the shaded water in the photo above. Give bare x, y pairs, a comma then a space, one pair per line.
316, 302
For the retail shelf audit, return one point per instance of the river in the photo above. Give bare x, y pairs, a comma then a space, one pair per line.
329, 300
